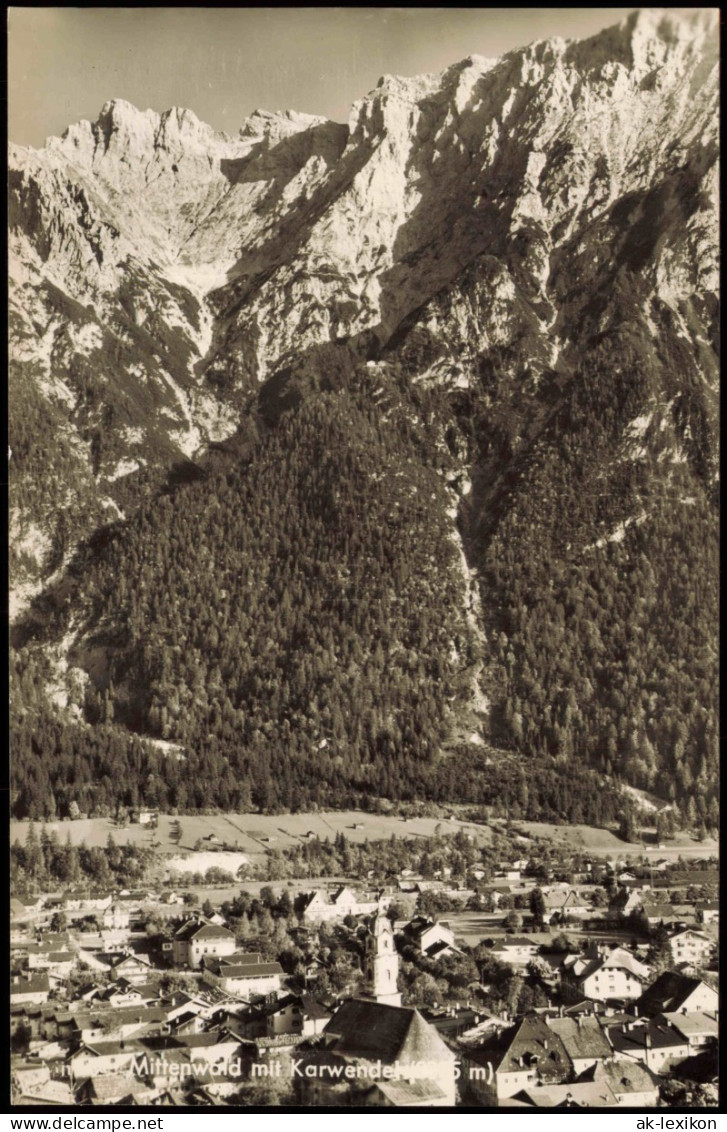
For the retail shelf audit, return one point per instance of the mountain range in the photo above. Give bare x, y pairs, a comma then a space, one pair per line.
348, 456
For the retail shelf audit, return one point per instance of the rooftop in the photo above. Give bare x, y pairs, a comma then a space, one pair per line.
579, 1094
241, 970
367, 1029
695, 1023
670, 991
653, 1035
402, 1093
199, 930
582, 1037
624, 1077
526, 1044
36, 984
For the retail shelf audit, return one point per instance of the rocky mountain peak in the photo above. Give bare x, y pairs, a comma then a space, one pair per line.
278, 124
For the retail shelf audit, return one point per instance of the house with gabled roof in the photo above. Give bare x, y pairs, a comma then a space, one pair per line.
93, 1058
209, 1048
583, 1039
524, 1055
431, 938
685, 915
627, 900
673, 991
632, 1084
116, 916
691, 947
34, 989
296, 1014
579, 1094
118, 1022
616, 975
81, 899
48, 1094
132, 967
127, 966
654, 914
56, 962
343, 901
243, 973
53, 941
700, 1029
23, 907
656, 1045
518, 951
18, 910
563, 901
198, 939
113, 1088
123, 992
454, 1020
188, 1022
145, 815
27, 1075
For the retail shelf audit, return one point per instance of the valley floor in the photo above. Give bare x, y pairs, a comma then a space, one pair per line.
254, 835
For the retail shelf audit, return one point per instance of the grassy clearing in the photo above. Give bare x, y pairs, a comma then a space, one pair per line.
575, 837
253, 834
605, 843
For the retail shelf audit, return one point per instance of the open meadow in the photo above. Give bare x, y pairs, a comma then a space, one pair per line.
250, 834
195, 842
605, 843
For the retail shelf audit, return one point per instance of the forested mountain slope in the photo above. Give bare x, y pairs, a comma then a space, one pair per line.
345, 457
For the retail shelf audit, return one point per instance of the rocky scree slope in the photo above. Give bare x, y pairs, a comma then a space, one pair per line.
513, 266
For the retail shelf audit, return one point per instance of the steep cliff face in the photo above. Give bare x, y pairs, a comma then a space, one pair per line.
517, 259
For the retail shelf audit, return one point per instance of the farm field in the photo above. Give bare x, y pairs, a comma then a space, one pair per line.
252, 834
473, 927
218, 894
604, 843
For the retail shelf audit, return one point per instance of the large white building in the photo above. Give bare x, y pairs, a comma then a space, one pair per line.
322, 905
197, 939
617, 975
431, 938
246, 975
691, 946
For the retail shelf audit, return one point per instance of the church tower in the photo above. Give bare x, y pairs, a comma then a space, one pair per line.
382, 961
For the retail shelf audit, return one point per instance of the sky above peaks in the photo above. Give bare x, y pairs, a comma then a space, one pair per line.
223, 63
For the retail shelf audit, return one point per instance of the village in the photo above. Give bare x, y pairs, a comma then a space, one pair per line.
439, 971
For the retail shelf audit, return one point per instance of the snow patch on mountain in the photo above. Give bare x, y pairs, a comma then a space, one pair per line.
87, 338
639, 425
30, 541
123, 468
619, 532
200, 279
